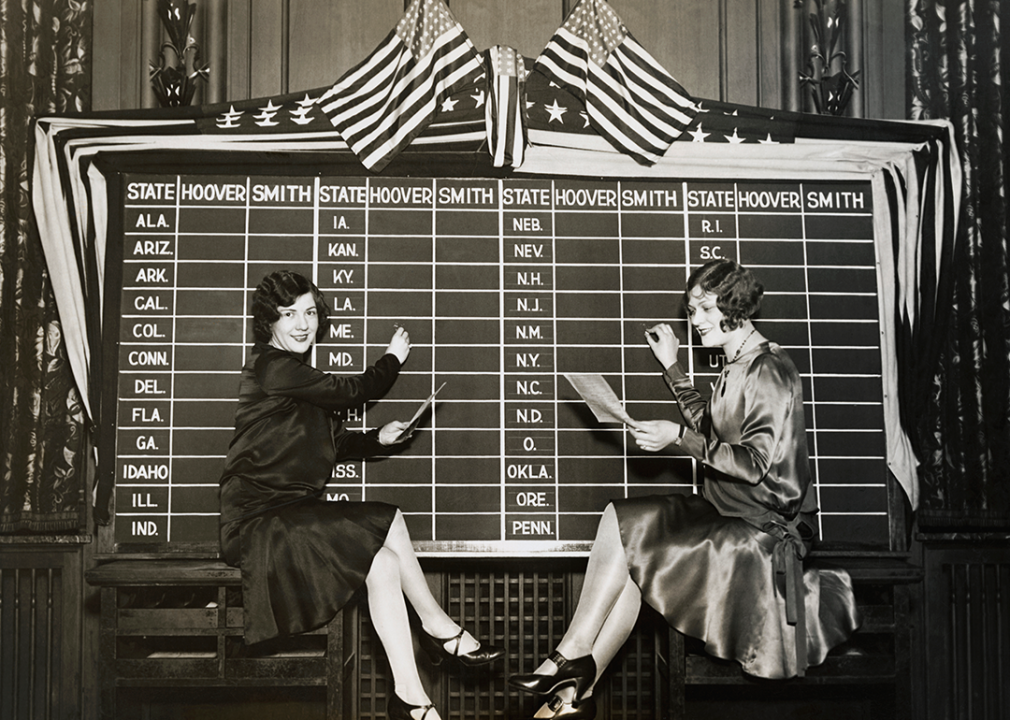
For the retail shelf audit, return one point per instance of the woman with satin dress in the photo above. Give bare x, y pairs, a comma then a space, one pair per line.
302, 557
725, 566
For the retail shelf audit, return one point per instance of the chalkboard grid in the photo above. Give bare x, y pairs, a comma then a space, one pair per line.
504, 285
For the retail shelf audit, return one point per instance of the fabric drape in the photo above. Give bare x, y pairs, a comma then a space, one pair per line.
45, 53
963, 404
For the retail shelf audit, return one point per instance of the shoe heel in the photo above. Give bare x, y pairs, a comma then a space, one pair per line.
585, 676
580, 673
398, 709
434, 648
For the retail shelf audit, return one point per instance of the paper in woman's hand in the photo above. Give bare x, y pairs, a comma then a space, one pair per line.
600, 397
412, 425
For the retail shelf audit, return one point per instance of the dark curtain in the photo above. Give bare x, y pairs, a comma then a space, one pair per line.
44, 68
957, 70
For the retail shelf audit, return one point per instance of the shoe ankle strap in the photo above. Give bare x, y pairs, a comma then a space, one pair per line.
558, 659
458, 637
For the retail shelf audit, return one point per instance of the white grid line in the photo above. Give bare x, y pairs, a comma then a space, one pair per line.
555, 240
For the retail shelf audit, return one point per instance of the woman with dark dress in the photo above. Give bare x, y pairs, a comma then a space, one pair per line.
724, 567
303, 557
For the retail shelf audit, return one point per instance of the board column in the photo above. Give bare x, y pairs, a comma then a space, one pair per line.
394, 217
341, 256
466, 357
146, 336
530, 483
588, 311
845, 399
654, 263
207, 353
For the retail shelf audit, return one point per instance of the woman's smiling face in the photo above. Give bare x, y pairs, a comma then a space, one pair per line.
707, 318
295, 329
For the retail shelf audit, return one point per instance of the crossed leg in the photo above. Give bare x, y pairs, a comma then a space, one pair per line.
608, 607
395, 573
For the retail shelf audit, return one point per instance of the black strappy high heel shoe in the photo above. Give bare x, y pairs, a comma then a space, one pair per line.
397, 709
580, 672
435, 647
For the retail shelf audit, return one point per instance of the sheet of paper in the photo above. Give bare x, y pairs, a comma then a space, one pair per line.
600, 397
412, 425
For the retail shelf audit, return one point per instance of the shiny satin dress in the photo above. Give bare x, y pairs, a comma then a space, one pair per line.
727, 567
301, 557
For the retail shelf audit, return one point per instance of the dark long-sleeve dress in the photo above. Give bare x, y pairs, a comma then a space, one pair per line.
726, 567
301, 557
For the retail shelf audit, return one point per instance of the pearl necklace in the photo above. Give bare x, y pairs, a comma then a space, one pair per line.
742, 345
722, 378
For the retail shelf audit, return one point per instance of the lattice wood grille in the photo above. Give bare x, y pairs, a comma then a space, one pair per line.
526, 612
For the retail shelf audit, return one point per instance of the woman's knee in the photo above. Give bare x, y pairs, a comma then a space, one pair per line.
398, 528
385, 569
609, 545
608, 523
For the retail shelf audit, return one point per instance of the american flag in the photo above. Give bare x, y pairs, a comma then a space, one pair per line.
504, 111
630, 99
380, 105
552, 109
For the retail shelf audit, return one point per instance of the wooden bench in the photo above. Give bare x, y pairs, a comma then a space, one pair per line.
178, 624
877, 655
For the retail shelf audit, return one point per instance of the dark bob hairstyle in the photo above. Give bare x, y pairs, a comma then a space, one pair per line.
281, 289
738, 293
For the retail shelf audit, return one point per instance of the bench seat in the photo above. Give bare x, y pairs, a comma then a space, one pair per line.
877, 654
170, 623
178, 624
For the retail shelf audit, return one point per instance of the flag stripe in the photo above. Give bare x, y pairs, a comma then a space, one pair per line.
606, 112
630, 100
644, 119
419, 107
387, 81
361, 75
356, 122
619, 89
383, 103
566, 64
650, 88
498, 103
503, 111
654, 74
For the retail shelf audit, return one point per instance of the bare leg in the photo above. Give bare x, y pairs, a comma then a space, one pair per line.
415, 587
617, 629
389, 617
606, 580
607, 565
615, 632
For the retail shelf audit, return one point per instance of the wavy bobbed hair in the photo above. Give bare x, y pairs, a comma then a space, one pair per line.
281, 289
738, 293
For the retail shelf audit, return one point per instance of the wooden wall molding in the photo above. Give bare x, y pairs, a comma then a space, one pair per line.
743, 51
